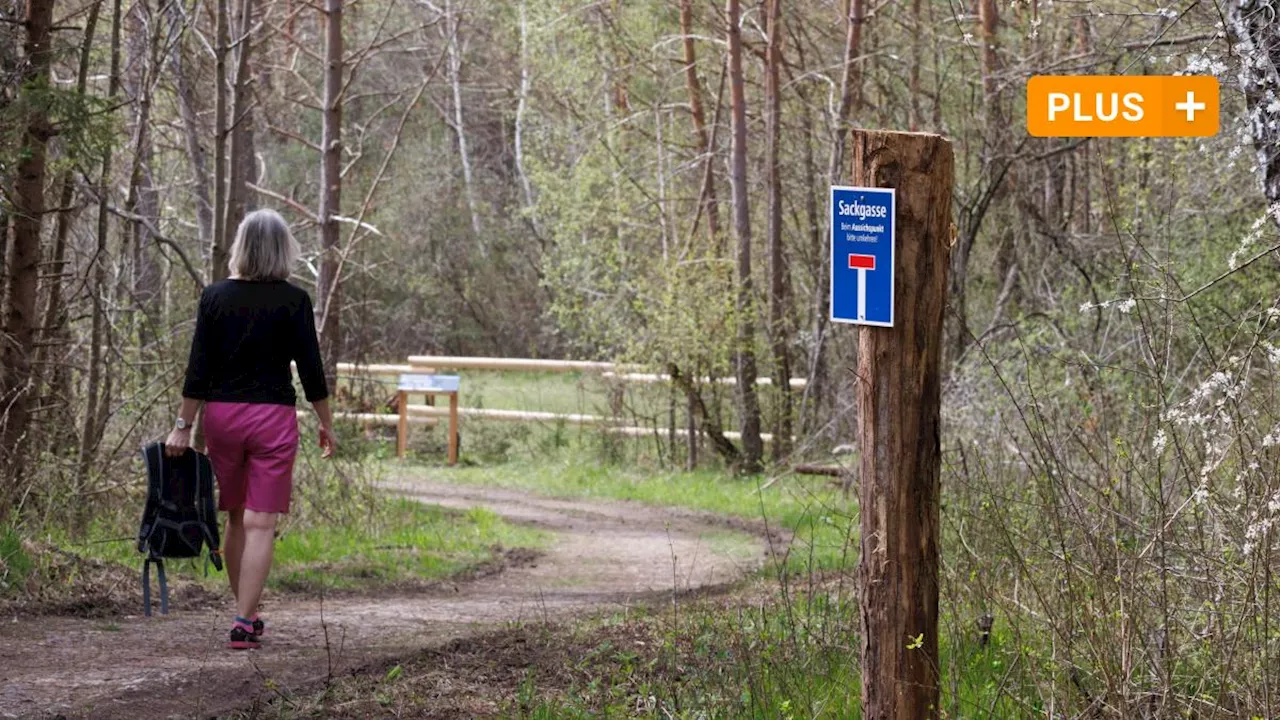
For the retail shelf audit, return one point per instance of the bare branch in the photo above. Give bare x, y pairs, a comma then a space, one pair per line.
161, 239
297, 206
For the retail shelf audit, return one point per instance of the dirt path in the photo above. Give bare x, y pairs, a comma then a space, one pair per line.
604, 555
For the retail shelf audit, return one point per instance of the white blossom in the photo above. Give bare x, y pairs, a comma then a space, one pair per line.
1272, 438
1273, 352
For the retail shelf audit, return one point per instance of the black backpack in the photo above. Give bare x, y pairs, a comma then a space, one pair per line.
180, 517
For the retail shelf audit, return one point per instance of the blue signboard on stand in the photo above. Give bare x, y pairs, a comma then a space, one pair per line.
862, 241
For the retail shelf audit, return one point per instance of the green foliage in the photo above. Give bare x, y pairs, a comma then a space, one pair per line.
786, 657
15, 564
84, 125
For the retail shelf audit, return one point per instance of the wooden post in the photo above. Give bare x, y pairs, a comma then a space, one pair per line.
899, 398
453, 428
402, 434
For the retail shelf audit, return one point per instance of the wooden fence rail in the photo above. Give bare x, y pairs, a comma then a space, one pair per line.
446, 362
607, 370
431, 415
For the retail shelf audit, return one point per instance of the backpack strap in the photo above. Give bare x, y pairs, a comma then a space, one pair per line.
146, 586
150, 508
208, 511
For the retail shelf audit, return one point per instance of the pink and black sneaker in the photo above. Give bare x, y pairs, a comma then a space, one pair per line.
243, 636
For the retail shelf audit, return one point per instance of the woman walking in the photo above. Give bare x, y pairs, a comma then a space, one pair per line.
249, 327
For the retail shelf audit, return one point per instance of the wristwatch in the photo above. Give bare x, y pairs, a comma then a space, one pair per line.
181, 424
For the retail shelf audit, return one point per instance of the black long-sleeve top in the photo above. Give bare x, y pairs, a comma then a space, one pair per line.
247, 332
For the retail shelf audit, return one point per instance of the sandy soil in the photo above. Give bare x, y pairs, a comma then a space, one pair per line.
604, 555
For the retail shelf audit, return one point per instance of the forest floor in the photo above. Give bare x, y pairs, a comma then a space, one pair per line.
604, 556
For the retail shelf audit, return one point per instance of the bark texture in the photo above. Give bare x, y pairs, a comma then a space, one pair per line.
748, 402
24, 252
329, 288
899, 399
778, 285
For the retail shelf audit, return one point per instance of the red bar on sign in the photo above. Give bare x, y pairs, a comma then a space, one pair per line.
862, 262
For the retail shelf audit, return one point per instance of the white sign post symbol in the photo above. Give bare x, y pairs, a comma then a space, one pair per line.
862, 263
1190, 106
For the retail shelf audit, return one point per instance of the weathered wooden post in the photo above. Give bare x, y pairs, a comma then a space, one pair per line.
402, 426
899, 398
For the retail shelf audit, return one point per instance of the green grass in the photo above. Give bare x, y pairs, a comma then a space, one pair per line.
777, 659
817, 514
15, 565
394, 541
548, 392
763, 655
412, 542
572, 392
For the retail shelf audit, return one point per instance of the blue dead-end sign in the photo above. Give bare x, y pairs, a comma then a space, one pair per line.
862, 240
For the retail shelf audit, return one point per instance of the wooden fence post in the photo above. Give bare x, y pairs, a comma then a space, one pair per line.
402, 426
899, 398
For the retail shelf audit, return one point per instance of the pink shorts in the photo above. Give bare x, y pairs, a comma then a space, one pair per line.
252, 447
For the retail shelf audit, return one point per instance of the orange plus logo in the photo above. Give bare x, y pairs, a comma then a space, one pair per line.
1122, 106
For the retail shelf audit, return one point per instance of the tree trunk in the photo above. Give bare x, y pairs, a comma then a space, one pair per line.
708, 203
189, 110
4, 258
143, 200
453, 25
988, 19
913, 84
329, 287
778, 286
811, 406
220, 251
521, 103
97, 393
748, 402
56, 335
850, 100
850, 86
242, 163
899, 402
24, 255
708, 420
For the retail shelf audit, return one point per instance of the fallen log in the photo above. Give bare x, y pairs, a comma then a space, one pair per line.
829, 470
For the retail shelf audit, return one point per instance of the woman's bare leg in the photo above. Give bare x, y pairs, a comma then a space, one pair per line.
255, 560
233, 548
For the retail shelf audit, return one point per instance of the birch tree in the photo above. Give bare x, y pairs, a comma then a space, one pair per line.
452, 28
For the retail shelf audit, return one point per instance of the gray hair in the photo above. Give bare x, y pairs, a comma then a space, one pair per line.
264, 249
